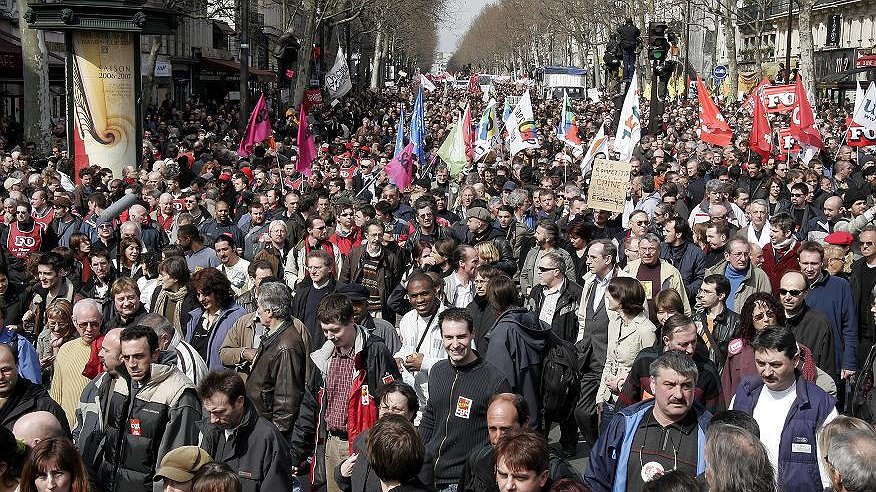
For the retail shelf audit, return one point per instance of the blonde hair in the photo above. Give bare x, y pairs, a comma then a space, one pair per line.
488, 252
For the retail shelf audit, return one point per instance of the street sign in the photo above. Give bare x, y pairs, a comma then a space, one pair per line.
720, 72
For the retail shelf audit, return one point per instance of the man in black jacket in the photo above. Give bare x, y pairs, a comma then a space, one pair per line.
716, 323
233, 433
454, 420
629, 34
687, 257
481, 228
20, 395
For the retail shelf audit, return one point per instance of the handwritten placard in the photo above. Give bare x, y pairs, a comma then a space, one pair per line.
609, 185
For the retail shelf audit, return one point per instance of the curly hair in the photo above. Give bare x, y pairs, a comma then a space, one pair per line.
746, 315
210, 281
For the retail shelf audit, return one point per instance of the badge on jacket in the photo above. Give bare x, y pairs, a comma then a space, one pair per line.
463, 407
365, 395
135, 427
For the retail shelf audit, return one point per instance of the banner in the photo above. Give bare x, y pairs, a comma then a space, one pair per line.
306, 144
858, 136
452, 150
599, 145
778, 98
713, 128
629, 130
787, 143
865, 115
522, 133
401, 168
609, 185
312, 97
486, 131
418, 128
426, 83
104, 102
400, 134
337, 80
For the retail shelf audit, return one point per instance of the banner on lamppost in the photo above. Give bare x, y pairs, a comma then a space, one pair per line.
103, 106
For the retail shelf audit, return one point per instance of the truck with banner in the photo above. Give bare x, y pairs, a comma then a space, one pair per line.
553, 81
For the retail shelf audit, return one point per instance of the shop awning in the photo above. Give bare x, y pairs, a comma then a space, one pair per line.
843, 80
233, 68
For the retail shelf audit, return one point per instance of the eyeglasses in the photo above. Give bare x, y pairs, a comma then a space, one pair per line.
88, 324
546, 269
764, 315
740, 254
797, 195
793, 292
867, 243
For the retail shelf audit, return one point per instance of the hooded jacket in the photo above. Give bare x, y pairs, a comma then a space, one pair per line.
517, 346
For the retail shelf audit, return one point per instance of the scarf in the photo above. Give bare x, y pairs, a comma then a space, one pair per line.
161, 304
94, 367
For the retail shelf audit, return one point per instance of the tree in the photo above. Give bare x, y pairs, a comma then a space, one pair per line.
37, 108
807, 65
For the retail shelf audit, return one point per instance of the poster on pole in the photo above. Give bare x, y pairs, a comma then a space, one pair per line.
103, 107
609, 185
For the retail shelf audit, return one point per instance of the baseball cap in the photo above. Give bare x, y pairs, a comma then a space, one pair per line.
510, 186
181, 464
839, 238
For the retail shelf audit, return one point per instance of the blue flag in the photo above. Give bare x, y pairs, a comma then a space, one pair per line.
400, 134
418, 128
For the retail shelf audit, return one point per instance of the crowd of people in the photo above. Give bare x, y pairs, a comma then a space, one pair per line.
215, 322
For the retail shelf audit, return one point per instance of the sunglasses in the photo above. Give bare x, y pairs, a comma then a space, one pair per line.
793, 292
546, 269
764, 315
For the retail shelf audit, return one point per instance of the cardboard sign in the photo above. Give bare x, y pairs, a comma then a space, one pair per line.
858, 136
609, 185
778, 98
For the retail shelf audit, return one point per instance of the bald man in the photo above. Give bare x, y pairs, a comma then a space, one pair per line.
38, 426
817, 228
89, 430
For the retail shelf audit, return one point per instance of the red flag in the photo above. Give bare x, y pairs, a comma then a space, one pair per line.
467, 136
713, 128
306, 144
401, 168
760, 140
258, 128
802, 119
756, 93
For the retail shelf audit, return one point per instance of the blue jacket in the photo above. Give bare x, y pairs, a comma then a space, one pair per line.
607, 468
832, 296
798, 455
227, 317
28, 360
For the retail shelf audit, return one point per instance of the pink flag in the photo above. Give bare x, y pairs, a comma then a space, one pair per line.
306, 144
401, 168
258, 128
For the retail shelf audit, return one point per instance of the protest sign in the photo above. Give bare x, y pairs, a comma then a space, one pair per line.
609, 185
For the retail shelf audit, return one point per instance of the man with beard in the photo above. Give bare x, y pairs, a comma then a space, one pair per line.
426, 227
420, 335
221, 224
71, 374
392, 194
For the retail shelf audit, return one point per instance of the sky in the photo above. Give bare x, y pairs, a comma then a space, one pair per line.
460, 15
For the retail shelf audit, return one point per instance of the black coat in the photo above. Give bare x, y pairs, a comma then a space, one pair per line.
565, 321
27, 397
690, 261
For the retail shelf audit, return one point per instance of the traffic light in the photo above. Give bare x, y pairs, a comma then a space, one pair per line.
658, 44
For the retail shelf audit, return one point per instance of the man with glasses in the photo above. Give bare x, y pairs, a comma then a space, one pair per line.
347, 235
315, 240
810, 327
745, 279
376, 267
426, 226
309, 292
801, 211
21, 239
656, 274
71, 364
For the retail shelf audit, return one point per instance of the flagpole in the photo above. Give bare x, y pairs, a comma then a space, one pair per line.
840, 147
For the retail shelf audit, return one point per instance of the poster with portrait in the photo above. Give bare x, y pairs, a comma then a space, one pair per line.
102, 76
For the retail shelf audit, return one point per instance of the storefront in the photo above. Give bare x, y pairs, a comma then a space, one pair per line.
217, 78
12, 83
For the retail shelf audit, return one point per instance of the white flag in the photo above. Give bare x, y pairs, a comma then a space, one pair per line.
337, 80
629, 130
865, 115
599, 145
426, 83
521, 126
859, 96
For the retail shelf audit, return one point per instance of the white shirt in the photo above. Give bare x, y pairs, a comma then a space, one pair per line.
238, 275
411, 329
464, 293
771, 412
549, 304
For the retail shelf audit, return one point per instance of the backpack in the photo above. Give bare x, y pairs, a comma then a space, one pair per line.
559, 379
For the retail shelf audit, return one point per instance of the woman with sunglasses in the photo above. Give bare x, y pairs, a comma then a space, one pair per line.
760, 311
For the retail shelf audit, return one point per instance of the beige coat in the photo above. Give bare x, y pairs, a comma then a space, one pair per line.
625, 341
670, 278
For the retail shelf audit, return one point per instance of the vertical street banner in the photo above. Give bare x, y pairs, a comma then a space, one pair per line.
104, 105
337, 80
